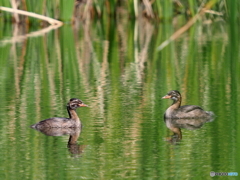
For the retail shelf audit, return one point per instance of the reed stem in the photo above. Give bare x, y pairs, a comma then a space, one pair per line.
31, 14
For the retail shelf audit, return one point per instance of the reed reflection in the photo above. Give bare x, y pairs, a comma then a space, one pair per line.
175, 126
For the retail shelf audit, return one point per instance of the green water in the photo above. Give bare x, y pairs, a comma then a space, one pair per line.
115, 69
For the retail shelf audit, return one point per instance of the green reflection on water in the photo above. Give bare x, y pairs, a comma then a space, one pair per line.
116, 70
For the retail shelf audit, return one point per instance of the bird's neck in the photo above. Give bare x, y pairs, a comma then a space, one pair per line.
72, 114
176, 104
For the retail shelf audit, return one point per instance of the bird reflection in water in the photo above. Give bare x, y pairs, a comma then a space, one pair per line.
73, 133
59, 126
175, 126
188, 116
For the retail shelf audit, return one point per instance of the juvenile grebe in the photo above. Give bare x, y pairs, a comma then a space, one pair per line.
187, 111
59, 122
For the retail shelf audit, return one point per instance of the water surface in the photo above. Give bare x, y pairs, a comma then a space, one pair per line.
116, 70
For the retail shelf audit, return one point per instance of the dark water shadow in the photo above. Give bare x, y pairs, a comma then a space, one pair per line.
175, 126
73, 133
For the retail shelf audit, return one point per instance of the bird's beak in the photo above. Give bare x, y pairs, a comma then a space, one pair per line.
82, 105
166, 97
